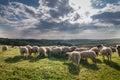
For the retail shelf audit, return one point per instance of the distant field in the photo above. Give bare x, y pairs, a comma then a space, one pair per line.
15, 67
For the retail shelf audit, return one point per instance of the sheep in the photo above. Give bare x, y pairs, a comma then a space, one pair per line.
73, 48
4, 48
81, 49
74, 56
24, 50
57, 51
88, 54
35, 49
48, 50
42, 51
113, 49
29, 49
96, 50
65, 49
100, 46
118, 49
105, 51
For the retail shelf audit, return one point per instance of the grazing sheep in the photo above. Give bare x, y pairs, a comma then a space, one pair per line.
35, 49
74, 56
42, 51
96, 50
24, 50
73, 48
29, 49
106, 51
12, 46
113, 49
81, 49
88, 54
4, 48
100, 46
65, 49
118, 49
57, 51
48, 50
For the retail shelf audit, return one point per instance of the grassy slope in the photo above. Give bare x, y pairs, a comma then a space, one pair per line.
15, 67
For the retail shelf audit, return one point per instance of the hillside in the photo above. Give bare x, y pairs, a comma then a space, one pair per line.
46, 42
16, 67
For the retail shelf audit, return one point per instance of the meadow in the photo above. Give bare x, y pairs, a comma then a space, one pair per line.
13, 66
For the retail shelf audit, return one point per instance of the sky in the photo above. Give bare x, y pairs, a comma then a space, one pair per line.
60, 19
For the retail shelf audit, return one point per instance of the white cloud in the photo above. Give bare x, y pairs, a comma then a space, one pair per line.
23, 17
110, 8
19, 15
84, 9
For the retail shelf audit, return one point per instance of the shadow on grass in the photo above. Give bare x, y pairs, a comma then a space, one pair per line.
98, 61
57, 58
73, 68
85, 64
112, 64
17, 59
33, 59
37, 58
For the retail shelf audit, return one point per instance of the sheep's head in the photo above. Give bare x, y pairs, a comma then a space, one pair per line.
100, 46
118, 46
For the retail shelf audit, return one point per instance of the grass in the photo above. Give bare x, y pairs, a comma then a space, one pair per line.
16, 67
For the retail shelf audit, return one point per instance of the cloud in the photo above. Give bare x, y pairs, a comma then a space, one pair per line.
102, 3
108, 17
60, 19
18, 15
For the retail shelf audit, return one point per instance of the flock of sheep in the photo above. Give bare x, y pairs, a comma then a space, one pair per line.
74, 53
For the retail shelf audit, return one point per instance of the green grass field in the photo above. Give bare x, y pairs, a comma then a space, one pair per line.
15, 67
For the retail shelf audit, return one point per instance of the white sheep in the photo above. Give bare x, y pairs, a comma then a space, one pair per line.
42, 51
65, 49
24, 51
74, 56
57, 51
73, 48
29, 49
113, 49
35, 49
48, 50
4, 48
105, 51
96, 50
88, 54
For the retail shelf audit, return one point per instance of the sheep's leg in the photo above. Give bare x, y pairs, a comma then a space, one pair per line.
119, 54
60, 54
30, 53
78, 59
110, 57
97, 53
93, 59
